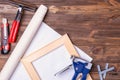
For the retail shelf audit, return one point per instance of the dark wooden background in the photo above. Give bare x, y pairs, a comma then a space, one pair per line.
93, 26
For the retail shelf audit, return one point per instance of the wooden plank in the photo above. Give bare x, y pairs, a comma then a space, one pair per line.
93, 25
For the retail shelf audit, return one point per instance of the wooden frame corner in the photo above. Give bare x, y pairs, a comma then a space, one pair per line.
27, 61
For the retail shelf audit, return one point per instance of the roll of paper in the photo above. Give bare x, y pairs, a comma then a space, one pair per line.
23, 43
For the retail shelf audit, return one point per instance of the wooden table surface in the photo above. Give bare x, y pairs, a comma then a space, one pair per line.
93, 26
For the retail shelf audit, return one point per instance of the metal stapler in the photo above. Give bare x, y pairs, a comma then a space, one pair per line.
81, 66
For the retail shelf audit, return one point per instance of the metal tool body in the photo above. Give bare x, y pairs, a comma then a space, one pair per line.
26, 5
102, 74
106, 67
5, 46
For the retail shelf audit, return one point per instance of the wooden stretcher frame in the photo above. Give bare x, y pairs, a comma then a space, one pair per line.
27, 61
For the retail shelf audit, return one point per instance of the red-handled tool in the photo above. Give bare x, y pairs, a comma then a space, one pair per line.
15, 25
5, 46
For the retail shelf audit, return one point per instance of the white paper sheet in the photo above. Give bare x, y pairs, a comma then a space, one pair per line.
44, 36
52, 63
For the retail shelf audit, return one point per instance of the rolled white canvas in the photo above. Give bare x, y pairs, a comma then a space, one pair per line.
23, 43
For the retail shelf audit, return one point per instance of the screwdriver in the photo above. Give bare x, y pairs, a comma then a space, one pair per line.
5, 46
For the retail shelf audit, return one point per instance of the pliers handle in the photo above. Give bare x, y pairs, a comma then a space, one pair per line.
78, 68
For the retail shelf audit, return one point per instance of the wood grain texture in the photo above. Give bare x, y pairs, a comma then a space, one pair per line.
93, 26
